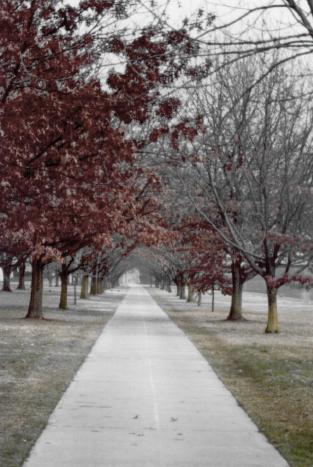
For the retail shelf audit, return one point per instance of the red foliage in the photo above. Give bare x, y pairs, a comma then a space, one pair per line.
168, 107
67, 174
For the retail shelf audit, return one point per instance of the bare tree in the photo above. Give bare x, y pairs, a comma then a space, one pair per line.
255, 164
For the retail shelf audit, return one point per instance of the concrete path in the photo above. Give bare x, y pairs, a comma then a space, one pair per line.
145, 397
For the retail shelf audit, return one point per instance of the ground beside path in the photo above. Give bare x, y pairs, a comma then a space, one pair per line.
146, 397
271, 375
39, 358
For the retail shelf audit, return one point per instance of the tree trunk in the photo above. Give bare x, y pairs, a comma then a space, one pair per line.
63, 293
272, 316
199, 300
177, 290
21, 276
6, 286
35, 304
93, 285
213, 299
57, 279
100, 287
182, 292
75, 290
169, 285
190, 293
84, 286
49, 276
235, 313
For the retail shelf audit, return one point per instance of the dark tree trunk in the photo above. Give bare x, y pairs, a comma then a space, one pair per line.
84, 286
50, 276
272, 315
182, 292
21, 276
57, 279
199, 300
63, 293
190, 293
93, 285
6, 286
35, 304
235, 313
100, 287
213, 299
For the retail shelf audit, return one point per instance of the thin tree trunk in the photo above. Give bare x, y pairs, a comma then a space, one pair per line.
100, 287
182, 292
213, 299
177, 290
21, 276
235, 313
272, 315
93, 285
57, 279
75, 290
199, 300
84, 286
169, 285
63, 293
35, 304
105, 285
190, 293
50, 279
6, 286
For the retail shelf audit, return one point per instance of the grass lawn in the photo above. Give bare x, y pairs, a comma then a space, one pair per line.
38, 360
271, 376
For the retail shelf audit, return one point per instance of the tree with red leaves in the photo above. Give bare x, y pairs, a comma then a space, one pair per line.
67, 162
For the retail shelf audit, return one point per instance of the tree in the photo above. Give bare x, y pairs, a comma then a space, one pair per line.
255, 164
258, 28
67, 160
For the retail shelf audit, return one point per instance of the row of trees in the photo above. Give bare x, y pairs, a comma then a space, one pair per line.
96, 162
237, 191
70, 130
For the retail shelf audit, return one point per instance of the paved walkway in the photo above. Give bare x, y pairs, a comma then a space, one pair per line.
145, 397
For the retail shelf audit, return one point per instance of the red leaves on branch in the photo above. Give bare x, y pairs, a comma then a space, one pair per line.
66, 165
98, 5
168, 107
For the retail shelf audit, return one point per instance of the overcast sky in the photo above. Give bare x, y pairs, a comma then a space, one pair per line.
226, 11
280, 21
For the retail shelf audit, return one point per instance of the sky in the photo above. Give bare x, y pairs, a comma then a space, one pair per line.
276, 22
225, 10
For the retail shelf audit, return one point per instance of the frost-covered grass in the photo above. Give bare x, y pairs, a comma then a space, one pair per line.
270, 375
38, 360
